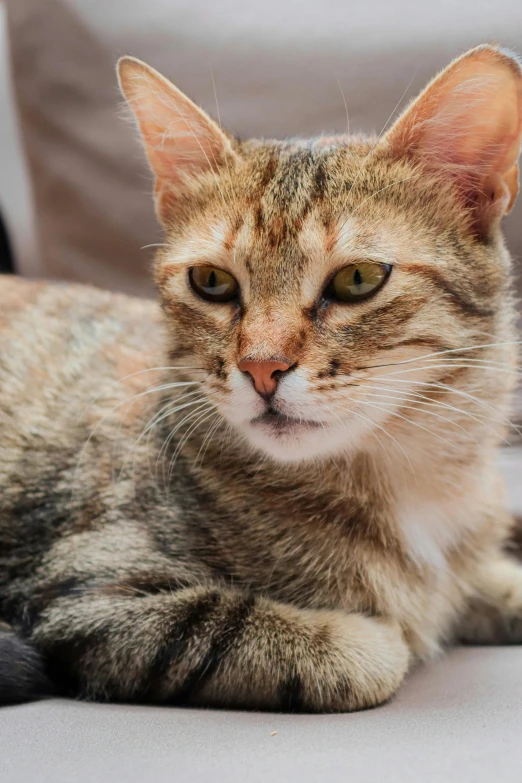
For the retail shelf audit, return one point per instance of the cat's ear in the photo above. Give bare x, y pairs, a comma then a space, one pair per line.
180, 139
467, 125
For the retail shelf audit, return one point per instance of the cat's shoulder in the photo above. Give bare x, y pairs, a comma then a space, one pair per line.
21, 298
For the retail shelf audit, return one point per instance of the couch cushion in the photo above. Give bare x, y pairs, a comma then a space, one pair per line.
456, 720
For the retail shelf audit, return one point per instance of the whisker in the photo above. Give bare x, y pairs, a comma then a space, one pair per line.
423, 410
203, 417
132, 375
505, 367
221, 126
449, 365
425, 400
382, 131
371, 430
116, 407
212, 169
430, 413
440, 353
452, 390
206, 441
397, 182
159, 417
203, 405
389, 435
409, 421
345, 105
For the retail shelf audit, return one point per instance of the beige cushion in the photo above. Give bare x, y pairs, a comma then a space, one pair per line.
276, 66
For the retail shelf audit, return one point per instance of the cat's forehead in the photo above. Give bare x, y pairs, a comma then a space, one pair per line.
293, 206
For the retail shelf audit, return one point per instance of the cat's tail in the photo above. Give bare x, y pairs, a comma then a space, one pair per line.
22, 676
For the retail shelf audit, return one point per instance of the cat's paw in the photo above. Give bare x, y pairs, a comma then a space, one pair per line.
364, 666
494, 615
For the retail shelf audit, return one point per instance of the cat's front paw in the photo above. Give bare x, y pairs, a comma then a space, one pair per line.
365, 665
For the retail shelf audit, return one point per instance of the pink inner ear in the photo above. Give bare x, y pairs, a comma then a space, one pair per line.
179, 146
476, 125
179, 138
468, 121
467, 126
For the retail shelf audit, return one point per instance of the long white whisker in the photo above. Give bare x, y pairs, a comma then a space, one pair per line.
425, 400
423, 410
203, 417
221, 126
404, 418
204, 445
166, 412
440, 353
389, 435
371, 430
448, 365
452, 390
203, 405
345, 105
117, 381
127, 400
159, 416
212, 169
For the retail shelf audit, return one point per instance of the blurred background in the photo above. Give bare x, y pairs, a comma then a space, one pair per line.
74, 187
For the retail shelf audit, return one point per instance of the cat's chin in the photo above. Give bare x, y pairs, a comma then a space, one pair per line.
294, 440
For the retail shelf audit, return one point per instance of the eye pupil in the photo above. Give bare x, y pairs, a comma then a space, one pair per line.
213, 284
356, 282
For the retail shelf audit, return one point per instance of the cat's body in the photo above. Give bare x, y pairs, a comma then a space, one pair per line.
168, 543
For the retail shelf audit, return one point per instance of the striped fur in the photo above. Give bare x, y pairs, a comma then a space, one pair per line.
154, 546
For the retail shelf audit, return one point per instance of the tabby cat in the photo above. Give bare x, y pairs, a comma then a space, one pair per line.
278, 490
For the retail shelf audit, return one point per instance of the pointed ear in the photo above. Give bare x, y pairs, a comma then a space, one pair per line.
179, 138
467, 125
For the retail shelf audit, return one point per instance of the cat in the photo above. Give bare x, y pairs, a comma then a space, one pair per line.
278, 488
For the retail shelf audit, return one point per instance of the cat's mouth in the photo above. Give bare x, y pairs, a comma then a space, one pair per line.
280, 424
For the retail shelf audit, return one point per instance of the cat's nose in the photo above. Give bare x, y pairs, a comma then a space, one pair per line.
265, 375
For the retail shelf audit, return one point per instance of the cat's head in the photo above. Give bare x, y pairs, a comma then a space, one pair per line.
299, 272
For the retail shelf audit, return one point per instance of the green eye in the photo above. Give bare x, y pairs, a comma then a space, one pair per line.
358, 281
213, 284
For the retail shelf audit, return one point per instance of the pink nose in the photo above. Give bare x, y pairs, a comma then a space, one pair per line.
264, 374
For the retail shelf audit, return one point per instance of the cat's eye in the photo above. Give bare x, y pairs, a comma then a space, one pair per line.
356, 282
213, 284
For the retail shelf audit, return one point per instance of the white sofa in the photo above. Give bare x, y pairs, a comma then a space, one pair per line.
276, 66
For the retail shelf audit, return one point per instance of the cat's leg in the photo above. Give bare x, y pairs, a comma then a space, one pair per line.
218, 646
494, 614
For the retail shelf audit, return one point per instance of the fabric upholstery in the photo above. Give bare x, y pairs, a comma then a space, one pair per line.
456, 720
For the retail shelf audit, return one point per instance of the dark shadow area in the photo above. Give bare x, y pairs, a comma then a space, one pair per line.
6, 257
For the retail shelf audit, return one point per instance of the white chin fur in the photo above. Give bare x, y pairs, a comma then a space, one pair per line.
295, 443
302, 444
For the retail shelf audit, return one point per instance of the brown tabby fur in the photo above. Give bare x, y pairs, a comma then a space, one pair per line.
207, 568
